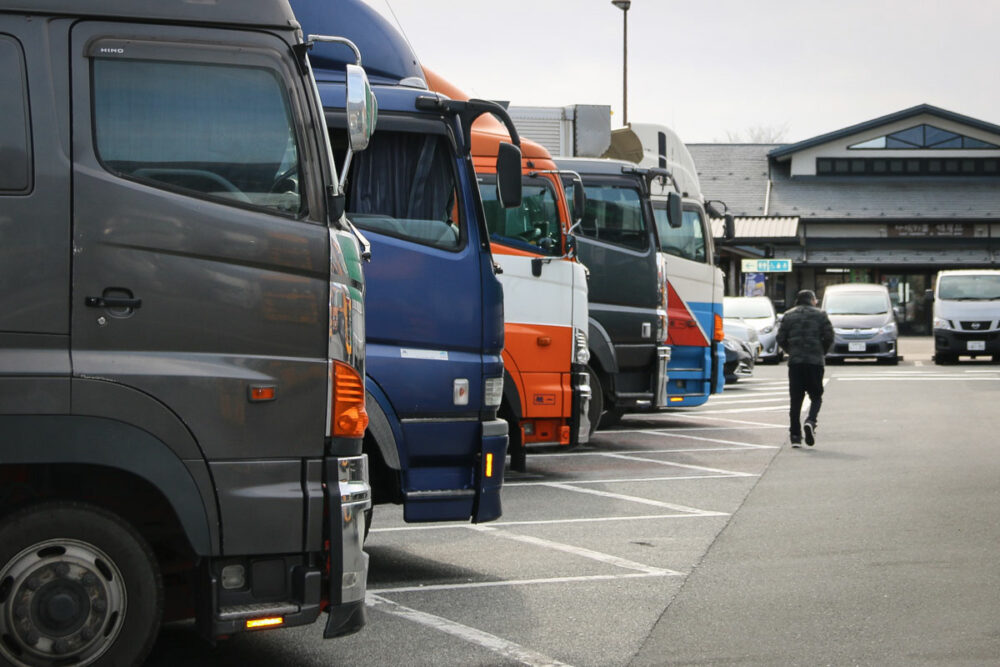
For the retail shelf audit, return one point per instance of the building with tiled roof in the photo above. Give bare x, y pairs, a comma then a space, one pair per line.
892, 200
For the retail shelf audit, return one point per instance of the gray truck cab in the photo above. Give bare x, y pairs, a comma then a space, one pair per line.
181, 331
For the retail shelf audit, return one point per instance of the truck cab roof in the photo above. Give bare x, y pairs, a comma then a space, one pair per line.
598, 166
267, 13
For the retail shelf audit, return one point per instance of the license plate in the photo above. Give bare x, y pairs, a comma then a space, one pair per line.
976, 345
856, 347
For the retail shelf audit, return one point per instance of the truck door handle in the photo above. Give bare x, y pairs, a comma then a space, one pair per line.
111, 302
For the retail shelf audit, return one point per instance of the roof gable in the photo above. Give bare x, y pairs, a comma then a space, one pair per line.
866, 127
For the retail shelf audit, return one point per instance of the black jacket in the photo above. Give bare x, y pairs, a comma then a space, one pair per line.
805, 334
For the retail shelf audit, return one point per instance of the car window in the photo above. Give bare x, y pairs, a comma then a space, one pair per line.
224, 131
15, 156
534, 225
855, 303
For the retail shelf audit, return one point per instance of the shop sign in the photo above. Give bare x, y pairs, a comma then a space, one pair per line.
929, 229
766, 265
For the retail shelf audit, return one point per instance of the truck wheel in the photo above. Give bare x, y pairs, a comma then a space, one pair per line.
596, 400
77, 586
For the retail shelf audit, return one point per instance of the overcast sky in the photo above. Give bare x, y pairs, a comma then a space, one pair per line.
712, 68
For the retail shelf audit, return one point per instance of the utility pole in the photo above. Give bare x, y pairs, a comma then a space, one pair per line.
624, 6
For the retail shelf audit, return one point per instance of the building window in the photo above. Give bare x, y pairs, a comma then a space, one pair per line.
908, 167
923, 137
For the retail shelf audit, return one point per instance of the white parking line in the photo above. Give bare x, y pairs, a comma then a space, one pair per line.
733, 411
668, 429
928, 378
485, 640
552, 522
745, 445
525, 582
590, 554
636, 499
702, 415
729, 473
626, 480
750, 399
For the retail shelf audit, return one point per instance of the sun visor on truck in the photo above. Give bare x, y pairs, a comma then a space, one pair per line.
385, 53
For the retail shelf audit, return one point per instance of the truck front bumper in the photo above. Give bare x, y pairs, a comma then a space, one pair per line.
970, 343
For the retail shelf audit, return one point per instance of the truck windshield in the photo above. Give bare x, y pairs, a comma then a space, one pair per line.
686, 241
534, 225
613, 214
404, 185
971, 288
857, 303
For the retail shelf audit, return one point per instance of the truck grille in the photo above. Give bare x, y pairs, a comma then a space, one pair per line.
976, 326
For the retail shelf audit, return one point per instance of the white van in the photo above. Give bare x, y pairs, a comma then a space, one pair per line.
966, 315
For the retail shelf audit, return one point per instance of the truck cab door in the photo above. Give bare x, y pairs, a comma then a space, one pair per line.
200, 265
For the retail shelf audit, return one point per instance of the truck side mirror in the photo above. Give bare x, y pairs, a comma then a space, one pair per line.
361, 107
509, 175
675, 212
579, 199
730, 231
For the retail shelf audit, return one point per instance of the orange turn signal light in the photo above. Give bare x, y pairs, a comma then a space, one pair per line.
718, 334
265, 622
489, 465
349, 418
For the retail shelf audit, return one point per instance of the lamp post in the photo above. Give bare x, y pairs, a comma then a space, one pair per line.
624, 6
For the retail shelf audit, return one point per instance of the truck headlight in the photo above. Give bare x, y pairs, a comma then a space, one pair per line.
581, 347
492, 391
940, 323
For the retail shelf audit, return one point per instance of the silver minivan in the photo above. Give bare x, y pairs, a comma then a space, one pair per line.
864, 324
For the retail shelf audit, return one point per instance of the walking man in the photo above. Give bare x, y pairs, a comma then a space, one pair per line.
805, 334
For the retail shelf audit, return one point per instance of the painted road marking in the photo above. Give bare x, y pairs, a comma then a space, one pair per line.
744, 445
743, 400
731, 421
686, 466
636, 499
485, 640
553, 522
590, 554
927, 378
668, 429
525, 582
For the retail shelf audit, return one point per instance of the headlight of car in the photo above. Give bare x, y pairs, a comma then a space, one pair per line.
940, 323
888, 329
768, 329
841, 331
581, 348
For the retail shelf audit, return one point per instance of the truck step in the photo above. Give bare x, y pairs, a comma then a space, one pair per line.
241, 611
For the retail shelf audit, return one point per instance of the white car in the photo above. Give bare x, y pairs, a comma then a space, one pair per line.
758, 312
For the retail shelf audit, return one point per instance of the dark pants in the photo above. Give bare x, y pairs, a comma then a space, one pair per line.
804, 379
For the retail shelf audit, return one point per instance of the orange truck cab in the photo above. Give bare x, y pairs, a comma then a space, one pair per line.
546, 397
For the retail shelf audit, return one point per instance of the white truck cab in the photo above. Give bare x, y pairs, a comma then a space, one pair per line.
967, 315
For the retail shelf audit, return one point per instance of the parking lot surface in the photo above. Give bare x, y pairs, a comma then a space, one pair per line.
700, 537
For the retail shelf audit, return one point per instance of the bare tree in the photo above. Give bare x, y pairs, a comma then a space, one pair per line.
758, 134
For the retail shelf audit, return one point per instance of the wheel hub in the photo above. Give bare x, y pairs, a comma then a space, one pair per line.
64, 600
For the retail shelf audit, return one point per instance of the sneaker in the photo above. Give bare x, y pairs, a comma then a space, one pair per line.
810, 429
796, 440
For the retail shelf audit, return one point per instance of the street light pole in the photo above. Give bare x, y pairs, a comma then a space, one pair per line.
624, 6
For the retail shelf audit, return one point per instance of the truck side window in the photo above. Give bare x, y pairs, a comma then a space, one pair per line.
15, 156
534, 225
403, 185
224, 131
686, 241
613, 215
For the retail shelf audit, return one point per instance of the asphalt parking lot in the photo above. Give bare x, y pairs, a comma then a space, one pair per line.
700, 537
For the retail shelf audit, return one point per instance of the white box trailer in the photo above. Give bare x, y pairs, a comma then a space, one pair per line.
576, 130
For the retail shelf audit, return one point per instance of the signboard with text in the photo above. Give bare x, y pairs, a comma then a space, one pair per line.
766, 265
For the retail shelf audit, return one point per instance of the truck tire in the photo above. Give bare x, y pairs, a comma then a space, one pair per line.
78, 586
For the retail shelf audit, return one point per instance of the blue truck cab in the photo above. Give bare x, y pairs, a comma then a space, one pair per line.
434, 307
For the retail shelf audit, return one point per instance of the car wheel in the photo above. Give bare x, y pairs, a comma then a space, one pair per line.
78, 585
